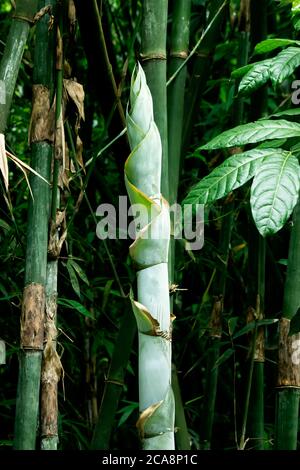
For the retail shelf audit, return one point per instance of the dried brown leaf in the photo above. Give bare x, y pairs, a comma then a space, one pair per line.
75, 92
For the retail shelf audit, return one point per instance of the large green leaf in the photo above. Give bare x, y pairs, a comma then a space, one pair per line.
254, 132
231, 174
257, 76
284, 64
240, 72
274, 192
270, 45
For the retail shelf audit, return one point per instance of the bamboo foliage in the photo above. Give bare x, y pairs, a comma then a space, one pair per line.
150, 254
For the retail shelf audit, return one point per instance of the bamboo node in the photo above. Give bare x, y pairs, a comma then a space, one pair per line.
179, 54
204, 54
153, 56
288, 356
115, 382
23, 18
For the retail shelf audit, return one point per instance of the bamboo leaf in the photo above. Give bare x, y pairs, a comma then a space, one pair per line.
232, 324
257, 76
249, 327
231, 174
287, 112
76, 306
73, 278
224, 357
106, 293
254, 132
267, 321
284, 64
274, 192
79, 271
270, 45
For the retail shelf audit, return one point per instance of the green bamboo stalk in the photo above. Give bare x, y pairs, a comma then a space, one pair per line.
288, 383
182, 436
253, 416
258, 15
13, 53
150, 255
114, 384
200, 73
153, 56
178, 53
32, 320
24, 13
51, 366
176, 91
256, 406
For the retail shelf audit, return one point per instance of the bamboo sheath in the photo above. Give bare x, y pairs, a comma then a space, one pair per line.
150, 255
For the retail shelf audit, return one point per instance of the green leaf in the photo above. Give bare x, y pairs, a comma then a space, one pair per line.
232, 323
76, 306
73, 278
126, 411
251, 325
295, 324
270, 45
4, 225
267, 321
226, 355
246, 329
274, 144
239, 73
257, 76
79, 271
107, 290
274, 192
284, 64
231, 174
287, 112
254, 132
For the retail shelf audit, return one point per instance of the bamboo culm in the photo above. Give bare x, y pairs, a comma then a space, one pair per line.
23, 18
150, 255
33, 308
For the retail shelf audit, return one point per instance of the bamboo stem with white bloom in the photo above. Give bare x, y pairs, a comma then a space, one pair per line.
149, 252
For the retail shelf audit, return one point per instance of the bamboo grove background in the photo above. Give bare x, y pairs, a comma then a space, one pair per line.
69, 378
